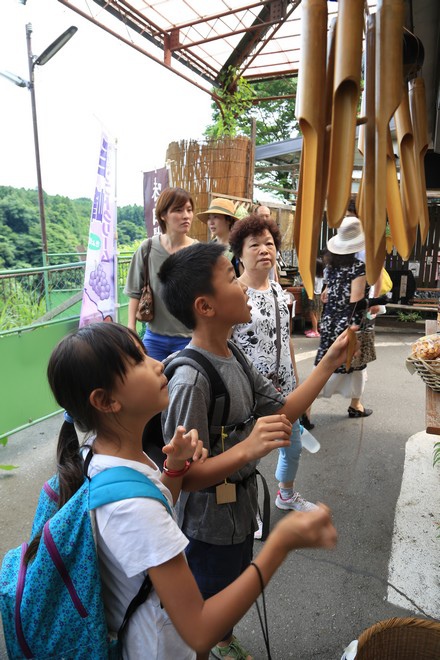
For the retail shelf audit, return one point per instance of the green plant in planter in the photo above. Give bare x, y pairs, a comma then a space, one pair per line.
409, 317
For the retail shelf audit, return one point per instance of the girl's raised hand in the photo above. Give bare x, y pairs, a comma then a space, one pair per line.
311, 529
184, 446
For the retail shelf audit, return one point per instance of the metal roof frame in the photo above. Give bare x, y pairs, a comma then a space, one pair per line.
199, 40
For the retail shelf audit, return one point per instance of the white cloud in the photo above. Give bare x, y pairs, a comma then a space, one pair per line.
94, 79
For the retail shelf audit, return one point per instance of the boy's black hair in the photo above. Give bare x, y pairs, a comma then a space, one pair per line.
186, 275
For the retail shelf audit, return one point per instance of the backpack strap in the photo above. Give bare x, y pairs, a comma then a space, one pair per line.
241, 358
220, 402
121, 483
139, 599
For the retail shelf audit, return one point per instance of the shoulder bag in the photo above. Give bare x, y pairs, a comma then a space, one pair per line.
145, 310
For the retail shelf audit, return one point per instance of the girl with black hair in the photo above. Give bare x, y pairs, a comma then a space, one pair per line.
102, 376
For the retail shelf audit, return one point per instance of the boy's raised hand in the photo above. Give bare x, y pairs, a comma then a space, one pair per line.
270, 432
311, 529
184, 446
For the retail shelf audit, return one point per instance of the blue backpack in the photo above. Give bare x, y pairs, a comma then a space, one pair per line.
53, 608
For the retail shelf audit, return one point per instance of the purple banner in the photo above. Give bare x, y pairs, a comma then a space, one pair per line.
98, 303
154, 182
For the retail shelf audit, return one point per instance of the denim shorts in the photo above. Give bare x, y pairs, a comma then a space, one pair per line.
160, 347
217, 566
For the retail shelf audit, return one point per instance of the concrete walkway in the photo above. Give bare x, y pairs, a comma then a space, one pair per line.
375, 473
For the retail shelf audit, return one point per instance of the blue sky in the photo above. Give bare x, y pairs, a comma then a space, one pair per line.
93, 81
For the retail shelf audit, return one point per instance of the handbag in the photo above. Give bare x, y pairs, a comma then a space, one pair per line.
367, 349
145, 310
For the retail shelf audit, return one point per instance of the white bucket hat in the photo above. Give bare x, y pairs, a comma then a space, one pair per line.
349, 239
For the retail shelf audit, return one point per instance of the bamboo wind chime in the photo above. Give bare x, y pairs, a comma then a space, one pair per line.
329, 91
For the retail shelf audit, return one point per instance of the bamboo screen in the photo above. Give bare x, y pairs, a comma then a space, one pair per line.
215, 166
284, 217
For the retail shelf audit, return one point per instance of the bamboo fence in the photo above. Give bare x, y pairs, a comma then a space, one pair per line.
212, 167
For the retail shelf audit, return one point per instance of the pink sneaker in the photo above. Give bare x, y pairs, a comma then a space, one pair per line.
312, 333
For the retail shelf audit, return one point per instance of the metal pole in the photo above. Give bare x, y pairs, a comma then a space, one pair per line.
37, 162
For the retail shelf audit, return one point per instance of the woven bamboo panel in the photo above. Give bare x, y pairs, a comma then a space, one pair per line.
213, 166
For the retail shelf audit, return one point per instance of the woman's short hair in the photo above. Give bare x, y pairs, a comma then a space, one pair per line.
171, 199
253, 225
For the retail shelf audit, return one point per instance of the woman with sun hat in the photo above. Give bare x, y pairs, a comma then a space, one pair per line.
346, 300
220, 218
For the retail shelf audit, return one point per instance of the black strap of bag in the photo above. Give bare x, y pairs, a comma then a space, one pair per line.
275, 379
146, 259
138, 600
265, 514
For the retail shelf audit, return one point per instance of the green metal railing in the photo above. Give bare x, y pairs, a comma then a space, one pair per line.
32, 321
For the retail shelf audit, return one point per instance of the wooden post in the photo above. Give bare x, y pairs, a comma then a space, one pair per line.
432, 398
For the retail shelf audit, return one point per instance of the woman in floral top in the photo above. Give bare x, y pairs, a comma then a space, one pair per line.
255, 242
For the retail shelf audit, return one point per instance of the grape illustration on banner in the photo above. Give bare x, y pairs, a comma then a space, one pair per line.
99, 283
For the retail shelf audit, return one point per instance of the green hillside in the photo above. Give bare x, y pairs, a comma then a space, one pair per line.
67, 226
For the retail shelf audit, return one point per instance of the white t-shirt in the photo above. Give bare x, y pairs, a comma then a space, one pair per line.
133, 535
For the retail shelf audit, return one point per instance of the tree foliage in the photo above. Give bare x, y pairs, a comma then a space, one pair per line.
67, 227
274, 119
234, 97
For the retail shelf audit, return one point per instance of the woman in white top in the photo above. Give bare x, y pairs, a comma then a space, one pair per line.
266, 338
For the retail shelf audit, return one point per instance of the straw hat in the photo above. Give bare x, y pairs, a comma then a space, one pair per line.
219, 206
349, 239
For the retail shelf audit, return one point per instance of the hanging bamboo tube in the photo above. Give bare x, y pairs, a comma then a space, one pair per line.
401, 233
417, 106
409, 180
388, 93
310, 114
331, 47
346, 85
375, 252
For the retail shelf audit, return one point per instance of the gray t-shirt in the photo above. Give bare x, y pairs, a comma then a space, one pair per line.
163, 323
204, 519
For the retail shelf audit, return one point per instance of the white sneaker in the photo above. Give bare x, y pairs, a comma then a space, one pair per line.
295, 503
259, 533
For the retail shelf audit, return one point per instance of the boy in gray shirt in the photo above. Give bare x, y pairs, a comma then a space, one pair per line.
200, 288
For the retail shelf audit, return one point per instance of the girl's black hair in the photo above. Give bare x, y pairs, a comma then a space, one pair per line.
90, 358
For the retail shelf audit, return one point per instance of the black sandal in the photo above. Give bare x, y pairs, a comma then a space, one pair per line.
305, 421
353, 412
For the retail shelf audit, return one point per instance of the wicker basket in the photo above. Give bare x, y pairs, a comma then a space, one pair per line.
400, 639
428, 370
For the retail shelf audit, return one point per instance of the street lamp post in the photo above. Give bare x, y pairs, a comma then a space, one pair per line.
33, 61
